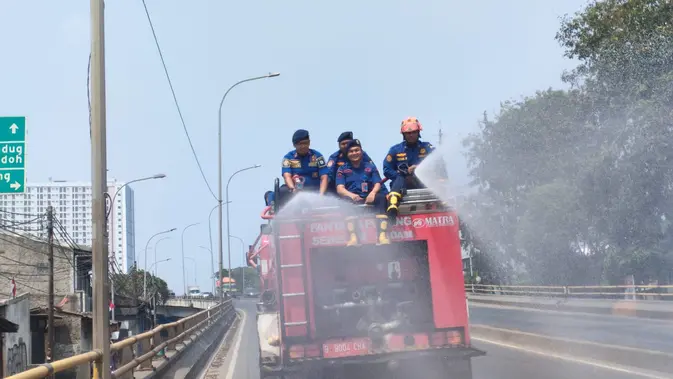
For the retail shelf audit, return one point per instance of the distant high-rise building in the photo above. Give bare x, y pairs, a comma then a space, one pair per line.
71, 201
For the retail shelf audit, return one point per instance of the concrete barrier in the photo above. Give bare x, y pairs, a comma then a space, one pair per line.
661, 310
625, 356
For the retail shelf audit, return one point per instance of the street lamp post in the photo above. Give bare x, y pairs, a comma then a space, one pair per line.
159, 261
211, 259
244, 264
145, 265
184, 282
219, 166
156, 269
154, 298
228, 223
112, 199
194, 262
210, 240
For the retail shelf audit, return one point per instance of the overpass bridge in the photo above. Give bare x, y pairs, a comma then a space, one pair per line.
181, 307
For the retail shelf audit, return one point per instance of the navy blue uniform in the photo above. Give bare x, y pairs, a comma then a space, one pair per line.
337, 160
404, 154
311, 167
361, 180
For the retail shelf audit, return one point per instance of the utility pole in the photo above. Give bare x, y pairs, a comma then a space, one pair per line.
50, 311
101, 313
112, 294
154, 306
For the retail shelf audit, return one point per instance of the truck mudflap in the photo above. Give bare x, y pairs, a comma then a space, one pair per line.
390, 361
267, 330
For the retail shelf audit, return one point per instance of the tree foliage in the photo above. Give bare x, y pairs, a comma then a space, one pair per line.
132, 285
576, 184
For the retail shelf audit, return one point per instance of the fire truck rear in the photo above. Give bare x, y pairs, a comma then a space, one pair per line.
329, 308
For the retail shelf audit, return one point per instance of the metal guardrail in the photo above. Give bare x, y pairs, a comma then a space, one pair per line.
137, 352
641, 292
194, 297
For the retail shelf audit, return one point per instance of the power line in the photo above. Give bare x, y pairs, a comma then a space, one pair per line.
175, 99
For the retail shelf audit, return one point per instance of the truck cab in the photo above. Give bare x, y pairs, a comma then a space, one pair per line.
326, 306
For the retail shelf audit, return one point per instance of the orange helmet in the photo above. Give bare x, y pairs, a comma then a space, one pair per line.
411, 124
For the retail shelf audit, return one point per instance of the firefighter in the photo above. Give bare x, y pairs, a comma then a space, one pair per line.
340, 157
268, 198
303, 168
401, 163
359, 181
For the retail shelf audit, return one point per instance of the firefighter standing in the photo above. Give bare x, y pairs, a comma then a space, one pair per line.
303, 168
359, 180
401, 162
340, 157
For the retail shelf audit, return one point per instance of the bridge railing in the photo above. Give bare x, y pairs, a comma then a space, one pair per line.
138, 352
641, 292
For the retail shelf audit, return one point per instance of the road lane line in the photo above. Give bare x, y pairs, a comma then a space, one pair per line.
575, 360
570, 340
237, 345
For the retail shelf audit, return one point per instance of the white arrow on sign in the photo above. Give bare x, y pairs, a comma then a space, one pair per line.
15, 186
13, 128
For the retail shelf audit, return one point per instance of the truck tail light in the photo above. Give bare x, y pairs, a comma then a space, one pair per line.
301, 351
296, 351
455, 337
311, 351
438, 339
449, 338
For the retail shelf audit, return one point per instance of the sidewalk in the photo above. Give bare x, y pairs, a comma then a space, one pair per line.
633, 308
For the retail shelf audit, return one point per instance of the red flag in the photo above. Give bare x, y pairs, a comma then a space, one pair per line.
111, 306
13, 288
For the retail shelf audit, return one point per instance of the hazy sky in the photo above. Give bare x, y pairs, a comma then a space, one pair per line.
347, 65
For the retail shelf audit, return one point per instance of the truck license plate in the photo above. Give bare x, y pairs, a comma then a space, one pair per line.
345, 348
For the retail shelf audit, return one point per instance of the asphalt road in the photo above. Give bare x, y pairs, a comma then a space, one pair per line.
501, 362
612, 330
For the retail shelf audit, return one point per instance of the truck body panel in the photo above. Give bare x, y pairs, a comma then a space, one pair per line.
366, 303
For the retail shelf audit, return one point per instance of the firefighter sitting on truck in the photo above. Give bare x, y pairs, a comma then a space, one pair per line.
340, 157
303, 168
401, 162
360, 181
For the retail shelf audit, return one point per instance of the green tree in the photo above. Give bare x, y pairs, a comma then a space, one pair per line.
576, 185
625, 49
131, 285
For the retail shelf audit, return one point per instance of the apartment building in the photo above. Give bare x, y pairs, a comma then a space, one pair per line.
22, 213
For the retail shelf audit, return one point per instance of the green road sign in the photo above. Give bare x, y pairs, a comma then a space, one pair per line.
12, 154
12, 181
13, 129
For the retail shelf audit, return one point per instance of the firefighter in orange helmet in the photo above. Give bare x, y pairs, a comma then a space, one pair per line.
401, 162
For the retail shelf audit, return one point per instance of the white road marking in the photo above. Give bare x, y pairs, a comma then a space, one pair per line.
576, 360
237, 345
547, 337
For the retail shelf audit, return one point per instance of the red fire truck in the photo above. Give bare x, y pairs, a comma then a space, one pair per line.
328, 308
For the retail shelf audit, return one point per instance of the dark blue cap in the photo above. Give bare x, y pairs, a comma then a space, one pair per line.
344, 136
354, 143
299, 135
